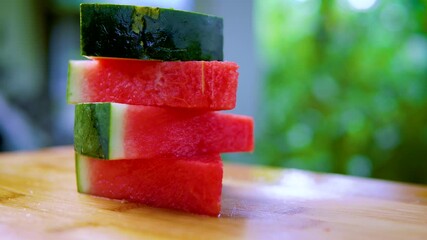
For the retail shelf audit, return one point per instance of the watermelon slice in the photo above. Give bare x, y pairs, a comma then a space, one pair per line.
124, 31
121, 131
188, 184
208, 85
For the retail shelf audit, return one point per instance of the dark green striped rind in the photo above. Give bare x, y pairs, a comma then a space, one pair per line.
92, 129
69, 93
125, 31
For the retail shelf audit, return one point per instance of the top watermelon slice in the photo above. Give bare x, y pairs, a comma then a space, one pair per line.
209, 85
124, 31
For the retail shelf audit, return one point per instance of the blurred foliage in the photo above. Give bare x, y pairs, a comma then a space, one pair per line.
345, 89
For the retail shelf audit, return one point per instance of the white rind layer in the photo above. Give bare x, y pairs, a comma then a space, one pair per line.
76, 78
82, 172
117, 127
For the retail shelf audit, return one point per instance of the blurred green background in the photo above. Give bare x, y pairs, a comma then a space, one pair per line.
334, 85
345, 86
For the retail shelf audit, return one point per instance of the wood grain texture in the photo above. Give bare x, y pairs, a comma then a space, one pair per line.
38, 200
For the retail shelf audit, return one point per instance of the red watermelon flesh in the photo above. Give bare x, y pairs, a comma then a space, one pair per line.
209, 85
188, 184
151, 131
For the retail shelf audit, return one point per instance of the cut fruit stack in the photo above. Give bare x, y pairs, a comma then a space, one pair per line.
147, 127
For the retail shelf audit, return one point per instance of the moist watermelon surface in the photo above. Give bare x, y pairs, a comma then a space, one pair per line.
125, 31
210, 85
188, 184
121, 131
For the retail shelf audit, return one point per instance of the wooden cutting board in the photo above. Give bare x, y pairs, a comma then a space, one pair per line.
38, 200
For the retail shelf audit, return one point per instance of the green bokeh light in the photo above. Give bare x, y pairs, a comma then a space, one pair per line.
345, 86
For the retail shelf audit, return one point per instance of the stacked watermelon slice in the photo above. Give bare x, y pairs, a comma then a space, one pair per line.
147, 127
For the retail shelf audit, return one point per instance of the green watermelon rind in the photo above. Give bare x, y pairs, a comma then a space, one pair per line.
98, 130
69, 92
125, 31
91, 129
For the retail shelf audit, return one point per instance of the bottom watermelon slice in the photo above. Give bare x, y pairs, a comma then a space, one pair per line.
188, 184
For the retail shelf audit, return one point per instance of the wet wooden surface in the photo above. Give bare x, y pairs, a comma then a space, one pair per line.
38, 200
